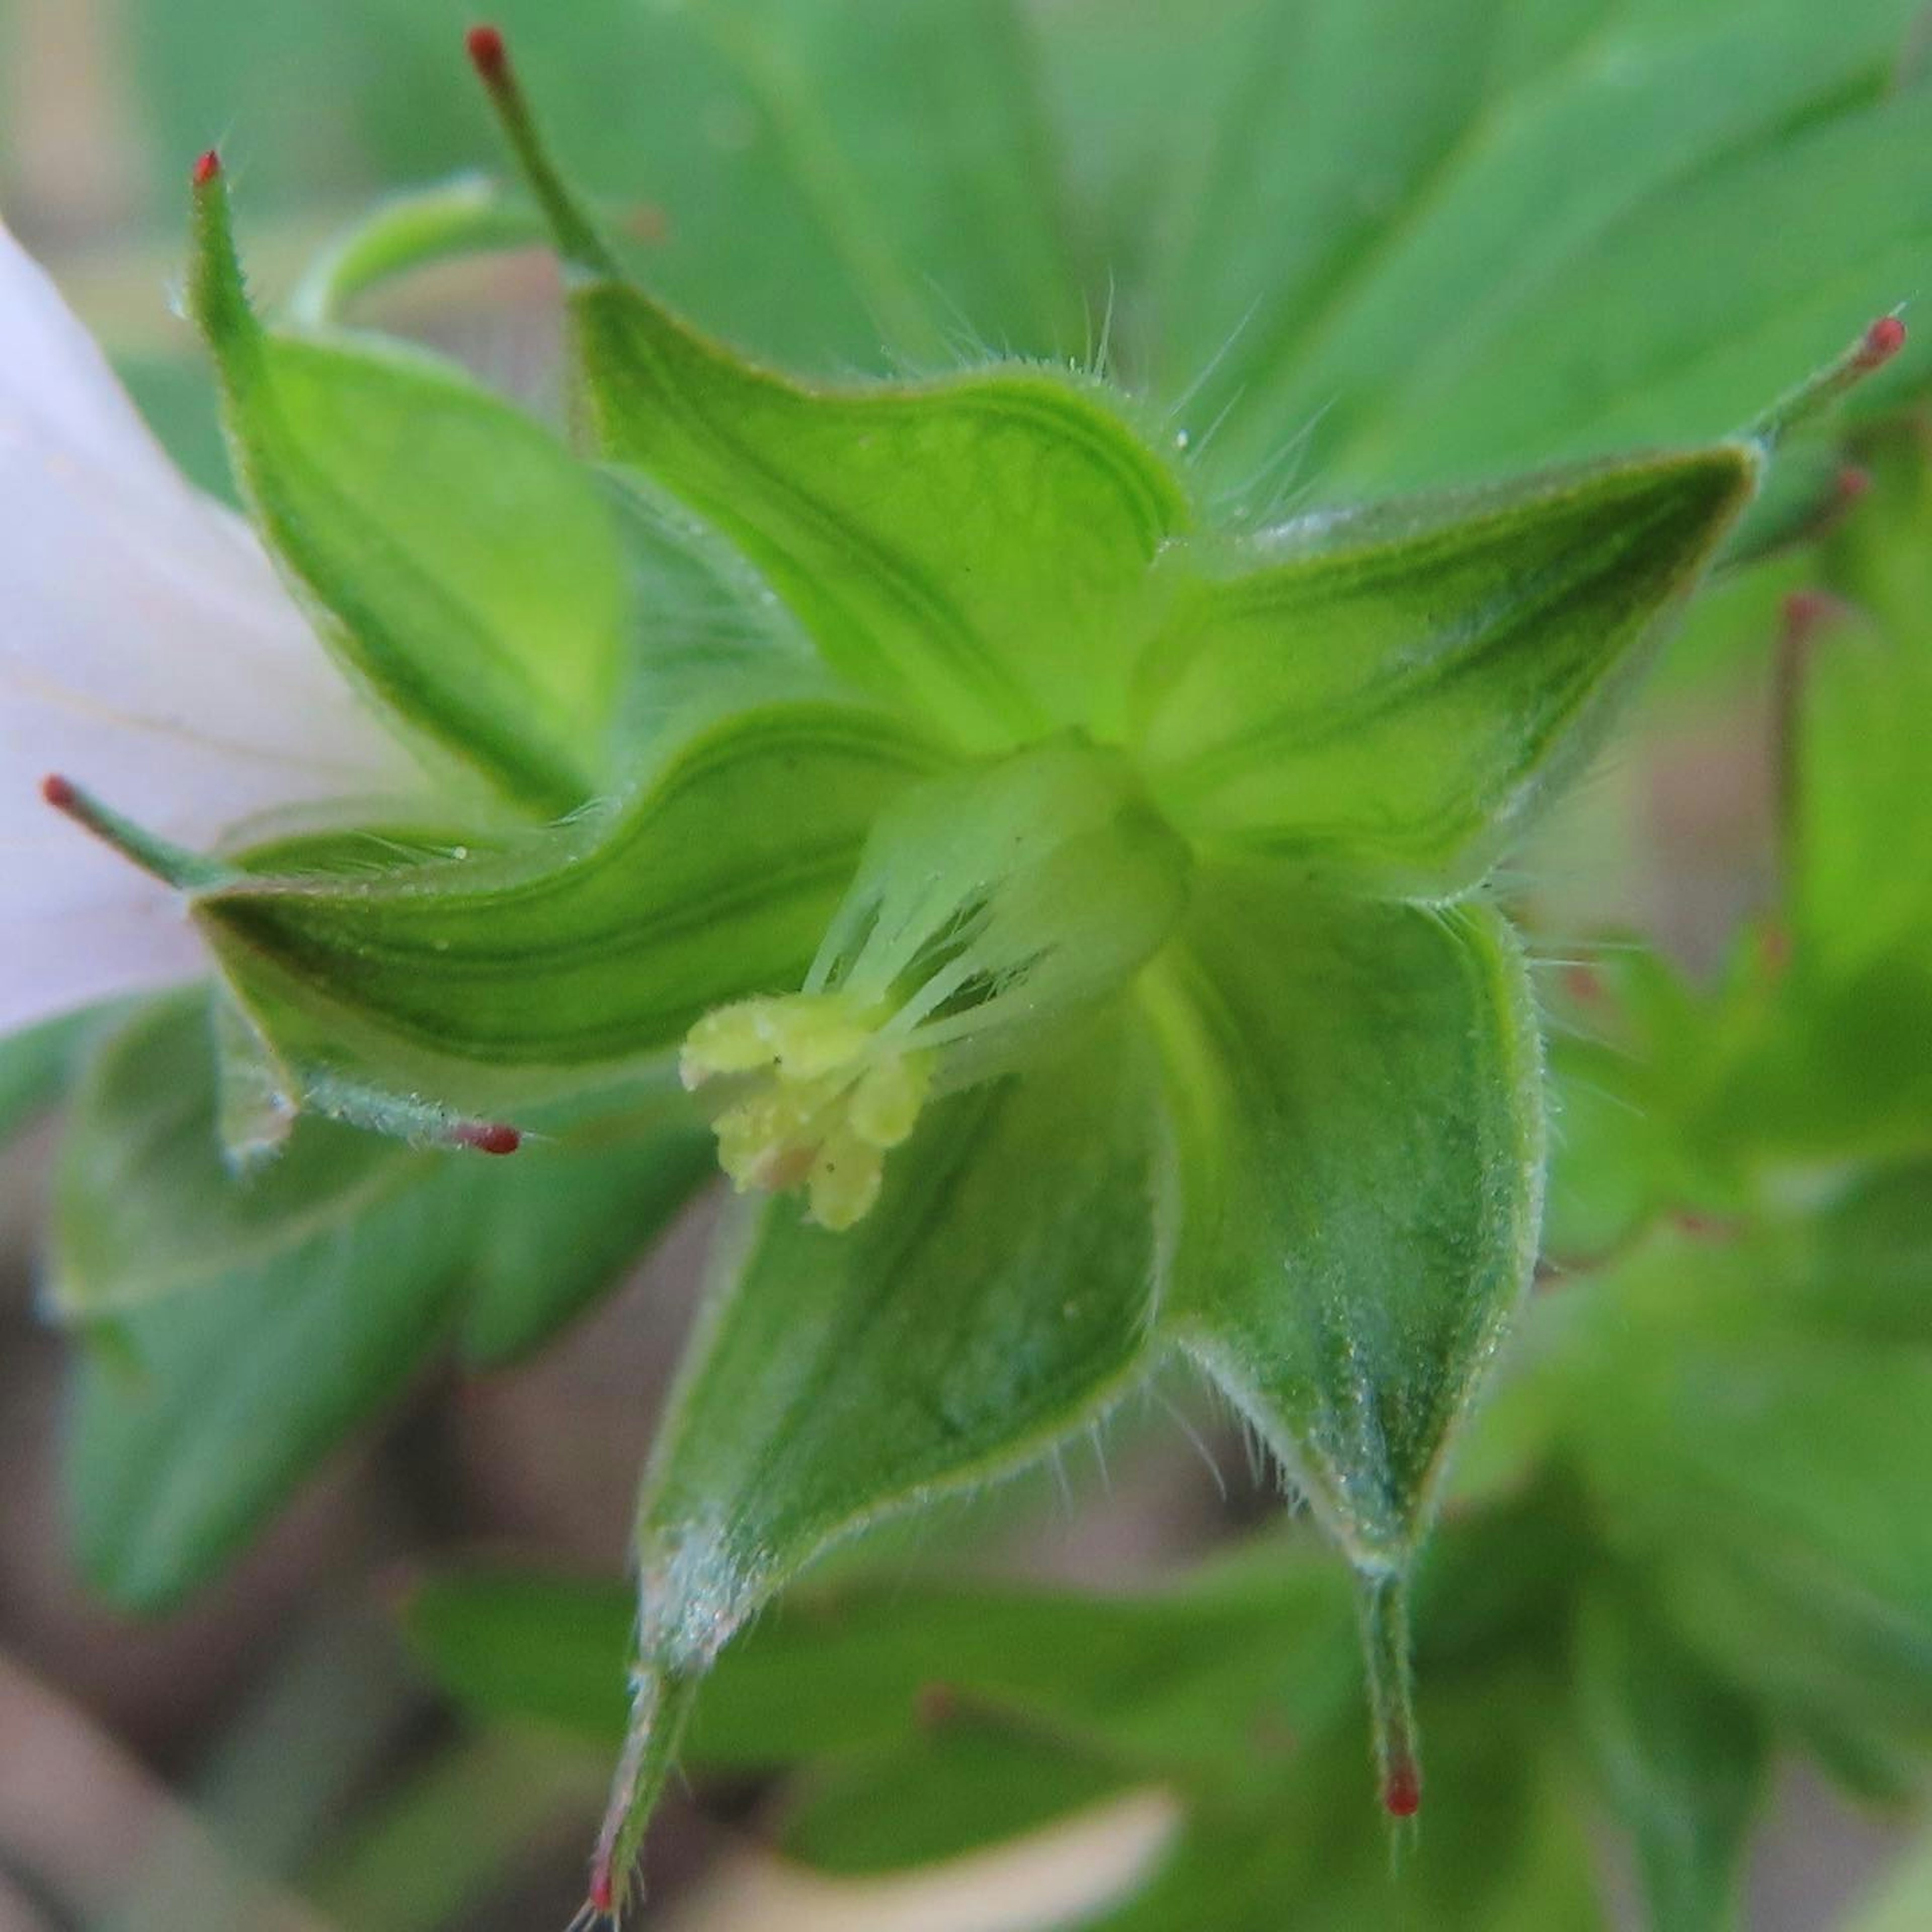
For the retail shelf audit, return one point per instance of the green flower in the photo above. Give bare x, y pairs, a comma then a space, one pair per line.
1069, 909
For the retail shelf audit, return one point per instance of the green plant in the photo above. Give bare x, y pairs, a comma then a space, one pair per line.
1066, 879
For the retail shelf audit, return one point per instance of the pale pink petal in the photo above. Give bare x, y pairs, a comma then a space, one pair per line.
147, 651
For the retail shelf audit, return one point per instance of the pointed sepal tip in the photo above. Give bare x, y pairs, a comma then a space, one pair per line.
487, 52
160, 859
1382, 1604
1878, 343
576, 236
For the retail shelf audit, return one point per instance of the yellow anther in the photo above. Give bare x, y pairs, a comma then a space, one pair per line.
816, 1097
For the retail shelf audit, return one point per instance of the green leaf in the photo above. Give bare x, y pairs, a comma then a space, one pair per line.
199, 1420
301, 1297
463, 564
1868, 1259
996, 1297
1502, 1851
1635, 1053
145, 1204
1203, 1681
35, 1067
557, 1227
915, 137
1392, 690
1464, 282
1861, 689
1357, 1095
971, 1781
1763, 1476
486, 980
1680, 1756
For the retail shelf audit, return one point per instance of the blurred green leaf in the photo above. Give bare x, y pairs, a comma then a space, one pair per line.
1762, 1477
253, 1322
35, 1069
1680, 1758
1500, 1851
969, 1781
890, 169
1466, 280
145, 1202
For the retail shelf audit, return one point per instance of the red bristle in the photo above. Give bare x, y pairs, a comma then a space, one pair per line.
1806, 613
487, 1136
935, 1704
206, 169
1583, 983
58, 792
1402, 1789
487, 54
1883, 341
603, 1894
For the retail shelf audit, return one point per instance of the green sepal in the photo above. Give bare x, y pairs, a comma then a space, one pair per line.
1389, 692
1357, 1094
460, 563
973, 549
489, 981
996, 1297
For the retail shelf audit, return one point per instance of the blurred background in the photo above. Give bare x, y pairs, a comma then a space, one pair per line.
270, 1757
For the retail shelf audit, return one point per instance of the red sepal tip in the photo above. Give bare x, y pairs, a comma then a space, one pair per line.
1806, 613
1402, 1789
603, 1894
59, 792
1883, 341
487, 55
206, 169
487, 1137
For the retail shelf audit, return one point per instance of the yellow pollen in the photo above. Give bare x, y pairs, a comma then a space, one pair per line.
814, 1097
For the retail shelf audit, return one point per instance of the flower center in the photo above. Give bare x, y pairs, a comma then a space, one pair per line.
993, 910
815, 1097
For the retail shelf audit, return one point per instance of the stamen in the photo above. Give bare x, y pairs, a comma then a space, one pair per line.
816, 1096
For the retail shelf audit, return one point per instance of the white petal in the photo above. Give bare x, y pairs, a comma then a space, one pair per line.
148, 652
